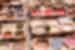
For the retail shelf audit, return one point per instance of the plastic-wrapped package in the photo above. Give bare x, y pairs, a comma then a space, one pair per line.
47, 3
65, 20
60, 12
42, 9
57, 3
54, 30
69, 2
54, 26
4, 27
4, 47
66, 24
16, 8
7, 35
69, 41
11, 16
15, 5
69, 8
19, 26
38, 27
64, 48
20, 45
46, 11
67, 28
35, 23
31, 3
13, 27
73, 8
40, 45
73, 11
39, 31
51, 12
52, 22
70, 11
7, 28
3, 14
35, 12
19, 35
56, 43
34, 3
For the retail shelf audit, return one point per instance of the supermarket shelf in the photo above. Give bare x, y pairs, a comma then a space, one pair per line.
11, 40
46, 17
52, 35
11, 21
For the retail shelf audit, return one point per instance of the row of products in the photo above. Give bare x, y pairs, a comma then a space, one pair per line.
49, 11
12, 11
18, 35
54, 43
12, 31
52, 26
14, 26
54, 3
19, 45
16, 11
70, 11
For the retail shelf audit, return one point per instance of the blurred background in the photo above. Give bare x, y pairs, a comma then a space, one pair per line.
37, 24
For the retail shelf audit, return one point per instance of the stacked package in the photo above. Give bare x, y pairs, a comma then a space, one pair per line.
13, 25
52, 25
